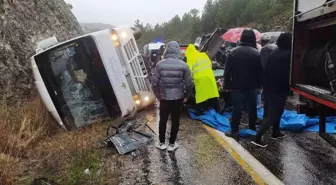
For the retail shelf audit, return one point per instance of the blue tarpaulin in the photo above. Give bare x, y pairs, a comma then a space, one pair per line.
219, 122
290, 121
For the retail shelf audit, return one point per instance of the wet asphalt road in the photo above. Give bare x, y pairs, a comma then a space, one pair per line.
298, 159
199, 160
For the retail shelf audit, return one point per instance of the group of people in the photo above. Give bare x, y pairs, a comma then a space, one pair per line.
247, 71
175, 80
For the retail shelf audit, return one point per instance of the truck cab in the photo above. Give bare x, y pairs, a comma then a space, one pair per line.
91, 78
313, 73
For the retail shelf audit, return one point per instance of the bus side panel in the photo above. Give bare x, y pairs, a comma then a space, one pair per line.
115, 73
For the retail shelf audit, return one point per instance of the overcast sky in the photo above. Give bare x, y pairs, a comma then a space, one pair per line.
125, 12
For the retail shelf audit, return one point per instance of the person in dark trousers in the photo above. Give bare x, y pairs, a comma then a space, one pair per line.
243, 75
171, 81
276, 88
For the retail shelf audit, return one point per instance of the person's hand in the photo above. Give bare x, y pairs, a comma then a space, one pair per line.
185, 100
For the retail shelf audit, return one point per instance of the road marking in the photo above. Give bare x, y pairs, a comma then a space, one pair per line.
259, 173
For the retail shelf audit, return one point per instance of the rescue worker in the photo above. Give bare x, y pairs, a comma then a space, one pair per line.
243, 75
267, 48
206, 88
276, 88
171, 80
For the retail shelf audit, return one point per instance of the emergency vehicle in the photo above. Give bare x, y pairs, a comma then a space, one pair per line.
93, 77
313, 73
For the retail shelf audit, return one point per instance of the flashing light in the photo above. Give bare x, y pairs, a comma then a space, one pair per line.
137, 102
146, 98
158, 41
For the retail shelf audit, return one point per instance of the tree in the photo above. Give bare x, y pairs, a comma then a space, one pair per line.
264, 15
70, 6
194, 13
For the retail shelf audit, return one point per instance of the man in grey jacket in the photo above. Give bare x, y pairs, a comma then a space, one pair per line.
267, 48
171, 81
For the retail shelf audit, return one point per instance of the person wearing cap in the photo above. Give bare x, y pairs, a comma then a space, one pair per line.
267, 48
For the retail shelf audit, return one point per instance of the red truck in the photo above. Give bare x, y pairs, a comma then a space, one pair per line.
313, 71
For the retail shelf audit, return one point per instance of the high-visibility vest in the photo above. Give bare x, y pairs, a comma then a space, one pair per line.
201, 68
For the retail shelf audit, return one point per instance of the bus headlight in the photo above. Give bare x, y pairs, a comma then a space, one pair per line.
146, 98
137, 99
114, 37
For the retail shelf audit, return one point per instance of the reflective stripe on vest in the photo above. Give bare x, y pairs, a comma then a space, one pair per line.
202, 69
199, 63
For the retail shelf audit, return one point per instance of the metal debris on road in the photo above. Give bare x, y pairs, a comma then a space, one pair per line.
126, 139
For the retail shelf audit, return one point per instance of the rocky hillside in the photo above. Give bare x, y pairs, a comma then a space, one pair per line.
24, 23
92, 27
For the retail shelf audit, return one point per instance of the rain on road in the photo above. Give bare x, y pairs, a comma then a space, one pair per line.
303, 158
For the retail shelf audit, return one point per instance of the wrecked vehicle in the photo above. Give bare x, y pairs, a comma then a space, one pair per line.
91, 78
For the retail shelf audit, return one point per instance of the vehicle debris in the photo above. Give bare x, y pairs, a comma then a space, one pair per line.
125, 138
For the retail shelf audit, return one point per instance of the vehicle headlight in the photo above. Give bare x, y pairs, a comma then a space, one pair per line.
114, 37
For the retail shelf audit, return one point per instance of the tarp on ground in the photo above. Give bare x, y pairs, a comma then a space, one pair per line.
290, 121
294, 122
219, 122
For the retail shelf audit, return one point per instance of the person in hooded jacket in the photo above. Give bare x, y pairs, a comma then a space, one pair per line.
206, 88
171, 81
276, 88
243, 76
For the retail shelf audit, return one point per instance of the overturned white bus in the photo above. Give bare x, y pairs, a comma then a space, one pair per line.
92, 78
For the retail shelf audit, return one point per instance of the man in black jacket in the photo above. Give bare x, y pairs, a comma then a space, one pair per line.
243, 75
276, 88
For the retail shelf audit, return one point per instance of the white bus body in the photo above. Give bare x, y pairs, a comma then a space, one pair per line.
91, 78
